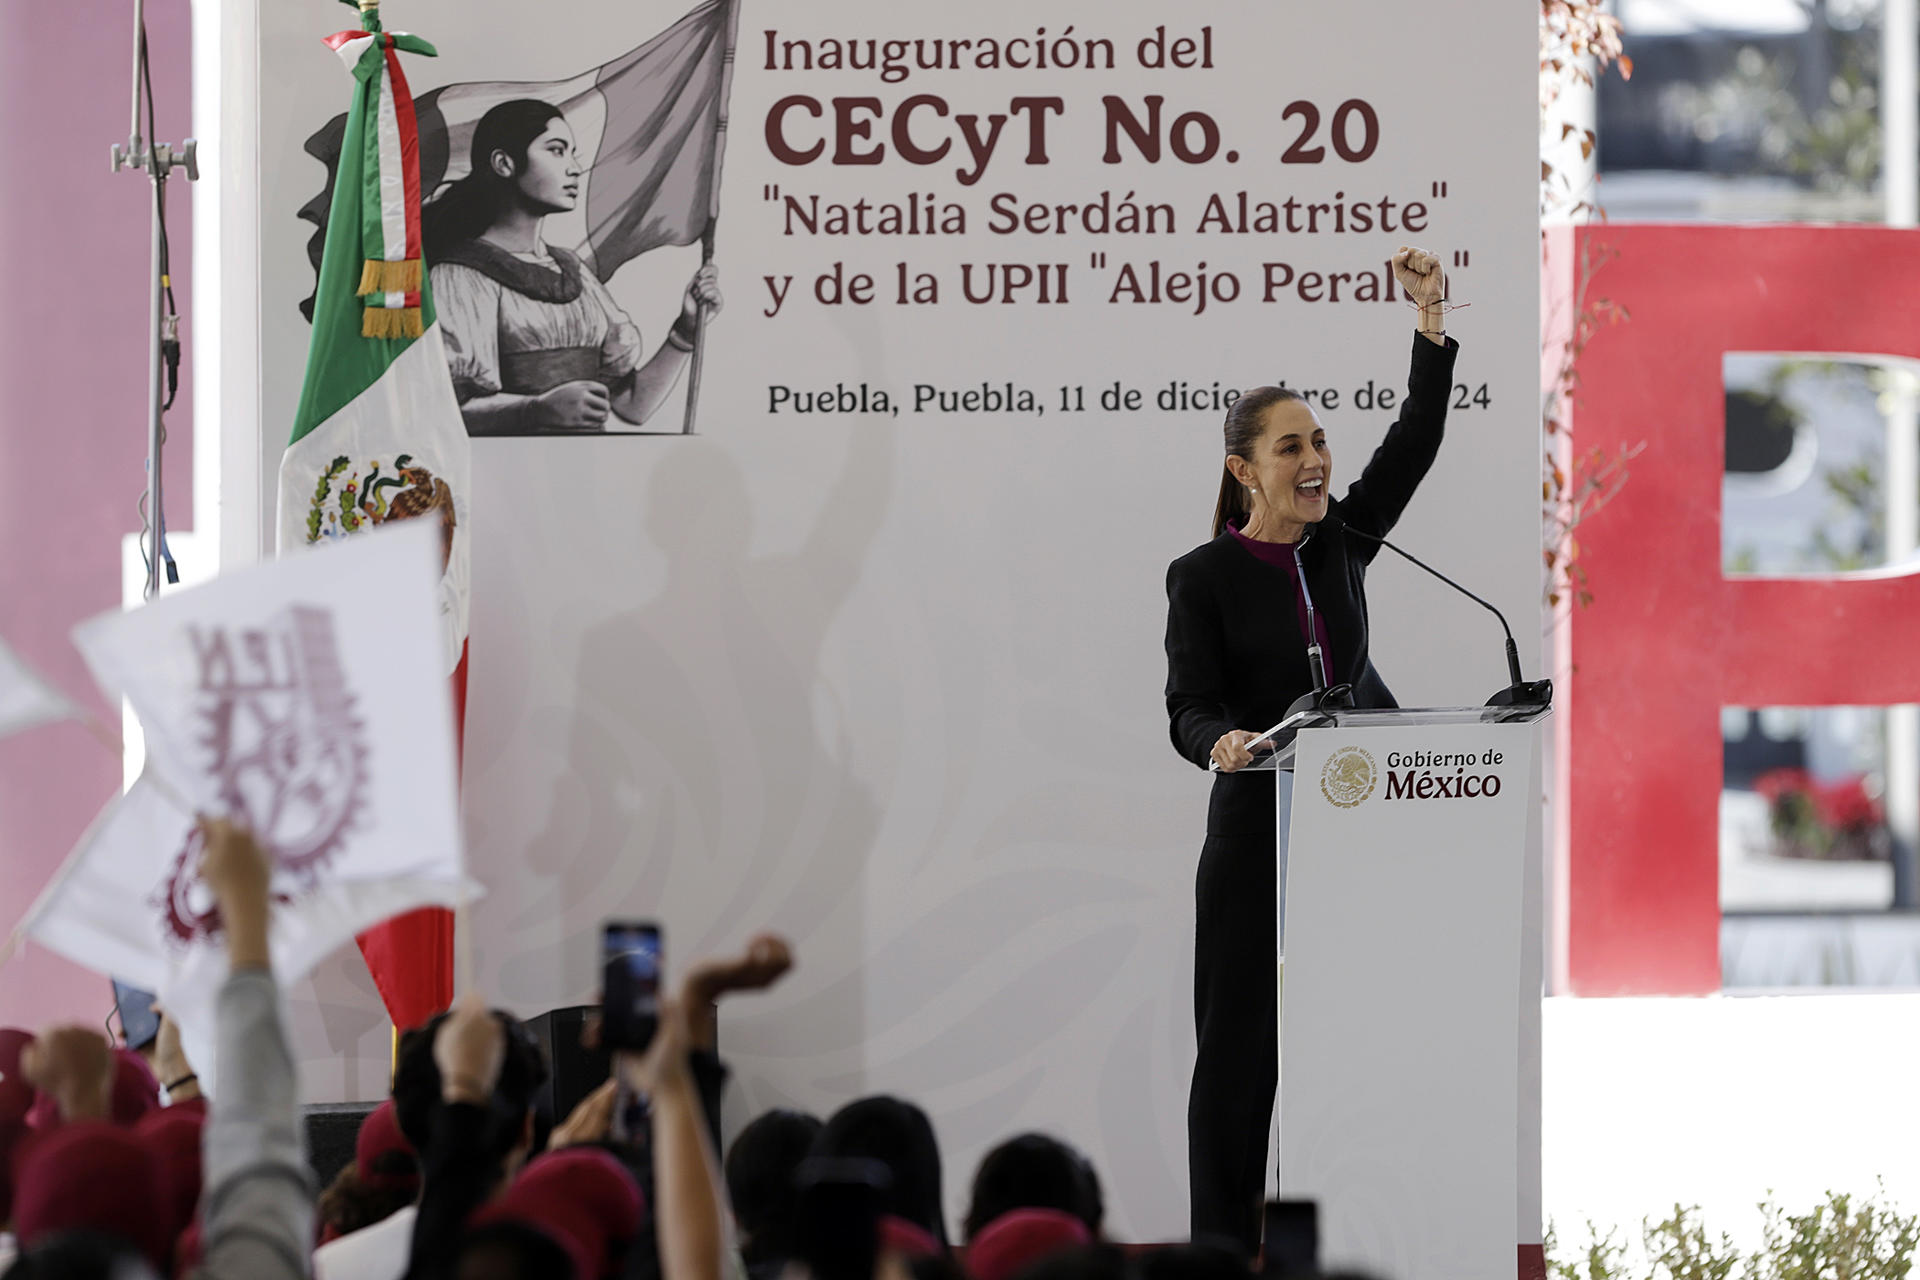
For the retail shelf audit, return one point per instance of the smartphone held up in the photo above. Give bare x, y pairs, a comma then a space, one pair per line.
630, 965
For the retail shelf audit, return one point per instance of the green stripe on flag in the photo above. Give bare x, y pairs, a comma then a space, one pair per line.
371, 72
341, 364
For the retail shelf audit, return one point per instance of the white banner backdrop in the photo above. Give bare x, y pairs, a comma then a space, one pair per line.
890, 681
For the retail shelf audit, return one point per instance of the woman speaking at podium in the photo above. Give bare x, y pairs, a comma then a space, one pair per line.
1237, 658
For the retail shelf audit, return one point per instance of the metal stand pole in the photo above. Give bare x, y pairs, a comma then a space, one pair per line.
156, 392
157, 160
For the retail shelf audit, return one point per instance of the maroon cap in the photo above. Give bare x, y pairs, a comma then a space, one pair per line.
172, 1137
90, 1176
12, 1041
1016, 1240
380, 1135
16, 1099
582, 1199
905, 1237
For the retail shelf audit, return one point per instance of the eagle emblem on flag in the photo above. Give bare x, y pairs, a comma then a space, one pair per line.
385, 489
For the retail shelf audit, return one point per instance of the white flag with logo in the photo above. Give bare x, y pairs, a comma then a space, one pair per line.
305, 698
26, 699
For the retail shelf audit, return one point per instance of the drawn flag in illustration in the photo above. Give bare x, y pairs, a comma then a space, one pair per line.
650, 124
378, 436
306, 698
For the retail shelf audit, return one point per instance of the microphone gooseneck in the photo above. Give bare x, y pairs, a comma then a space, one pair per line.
1520, 692
1315, 658
1322, 699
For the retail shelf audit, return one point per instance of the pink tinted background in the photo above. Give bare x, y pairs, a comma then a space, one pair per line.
73, 433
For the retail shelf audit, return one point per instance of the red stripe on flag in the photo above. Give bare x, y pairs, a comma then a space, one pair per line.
411, 955
411, 960
409, 149
460, 709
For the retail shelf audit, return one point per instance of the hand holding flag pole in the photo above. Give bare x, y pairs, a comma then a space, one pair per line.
713, 216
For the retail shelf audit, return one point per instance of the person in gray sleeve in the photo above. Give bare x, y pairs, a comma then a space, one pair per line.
258, 1205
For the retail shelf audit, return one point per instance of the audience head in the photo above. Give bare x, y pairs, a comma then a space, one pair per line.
172, 1138
899, 1136
82, 1255
383, 1177
582, 1199
1034, 1171
134, 1094
1198, 1261
16, 1100
1019, 1239
12, 1041
91, 1177
760, 1168
510, 1250
417, 1089
933, 1266
1099, 1261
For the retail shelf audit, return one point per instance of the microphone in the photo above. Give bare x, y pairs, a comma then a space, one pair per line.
1521, 692
1322, 698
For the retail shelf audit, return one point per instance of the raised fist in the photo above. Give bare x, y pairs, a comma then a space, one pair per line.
1420, 275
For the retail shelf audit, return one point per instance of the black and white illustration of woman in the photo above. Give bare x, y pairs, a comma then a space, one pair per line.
535, 342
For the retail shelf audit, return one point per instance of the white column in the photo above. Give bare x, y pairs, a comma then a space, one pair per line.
1900, 168
231, 506
1899, 102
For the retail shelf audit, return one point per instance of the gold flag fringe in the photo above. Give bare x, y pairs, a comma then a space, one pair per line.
380, 276
392, 322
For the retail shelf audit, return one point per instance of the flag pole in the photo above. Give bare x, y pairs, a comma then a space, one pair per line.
713, 214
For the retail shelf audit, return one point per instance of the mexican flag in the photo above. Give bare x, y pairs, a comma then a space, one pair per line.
378, 435
650, 125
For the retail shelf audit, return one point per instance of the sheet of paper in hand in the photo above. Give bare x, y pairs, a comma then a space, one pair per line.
306, 698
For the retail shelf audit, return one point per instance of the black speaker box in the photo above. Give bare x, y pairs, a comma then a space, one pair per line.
573, 1071
332, 1129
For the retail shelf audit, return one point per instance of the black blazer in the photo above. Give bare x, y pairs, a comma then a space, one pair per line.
1235, 655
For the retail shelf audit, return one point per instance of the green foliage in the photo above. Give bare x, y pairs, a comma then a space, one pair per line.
1838, 1239
1680, 1248
1855, 488
1835, 1241
1605, 1258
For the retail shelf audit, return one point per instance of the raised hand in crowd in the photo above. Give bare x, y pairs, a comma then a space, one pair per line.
75, 1067
469, 1049
690, 1223
464, 1095
258, 1208
168, 1061
591, 1119
765, 961
233, 866
117, 1181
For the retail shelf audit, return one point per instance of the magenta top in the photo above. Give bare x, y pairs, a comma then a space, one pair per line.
1281, 554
